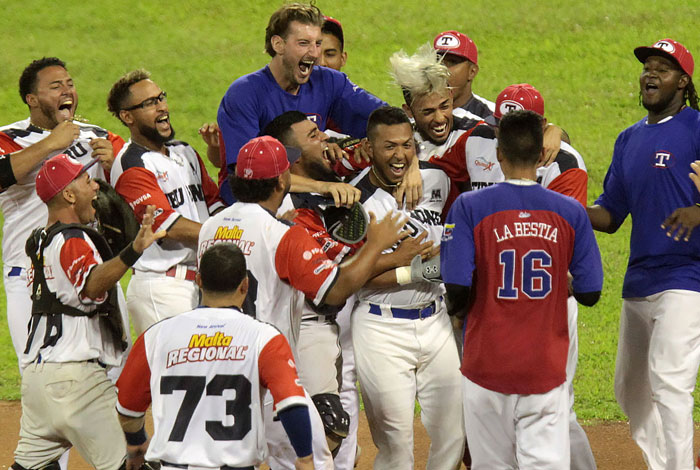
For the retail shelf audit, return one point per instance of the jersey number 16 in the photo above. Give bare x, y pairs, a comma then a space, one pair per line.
530, 274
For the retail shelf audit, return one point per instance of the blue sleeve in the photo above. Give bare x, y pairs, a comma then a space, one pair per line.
238, 119
614, 197
586, 266
297, 425
351, 106
457, 246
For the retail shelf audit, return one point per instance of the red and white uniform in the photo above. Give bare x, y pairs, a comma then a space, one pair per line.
204, 372
179, 186
285, 266
23, 211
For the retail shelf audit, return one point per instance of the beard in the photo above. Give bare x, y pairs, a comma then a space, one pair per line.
320, 172
152, 134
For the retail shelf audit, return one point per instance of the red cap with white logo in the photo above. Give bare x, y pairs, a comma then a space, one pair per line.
454, 42
522, 96
56, 173
263, 158
670, 49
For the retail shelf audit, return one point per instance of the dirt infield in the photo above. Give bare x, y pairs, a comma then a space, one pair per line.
612, 446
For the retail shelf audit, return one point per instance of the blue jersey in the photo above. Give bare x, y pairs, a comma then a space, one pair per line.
648, 179
253, 100
513, 244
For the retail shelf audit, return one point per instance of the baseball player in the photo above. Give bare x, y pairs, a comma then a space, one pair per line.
76, 330
49, 92
155, 169
333, 54
290, 82
223, 360
460, 55
402, 336
511, 246
658, 353
286, 264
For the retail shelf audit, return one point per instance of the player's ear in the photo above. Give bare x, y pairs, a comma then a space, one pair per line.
473, 70
367, 147
243, 287
126, 117
343, 59
198, 280
32, 100
277, 42
683, 81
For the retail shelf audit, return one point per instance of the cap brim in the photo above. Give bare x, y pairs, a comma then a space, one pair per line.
644, 52
293, 154
88, 166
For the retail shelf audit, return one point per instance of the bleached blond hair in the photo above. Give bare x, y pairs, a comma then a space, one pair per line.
421, 74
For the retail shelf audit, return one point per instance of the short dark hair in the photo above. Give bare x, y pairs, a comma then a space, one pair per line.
388, 116
281, 127
246, 190
283, 17
520, 137
29, 77
119, 93
333, 28
222, 268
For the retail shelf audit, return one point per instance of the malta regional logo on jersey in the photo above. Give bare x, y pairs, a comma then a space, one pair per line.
663, 159
202, 347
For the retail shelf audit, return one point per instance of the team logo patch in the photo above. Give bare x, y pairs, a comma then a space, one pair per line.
485, 164
510, 105
524, 215
436, 196
313, 117
447, 232
448, 40
665, 46
248, 173
307, 255
202, 347
162, 176
663, 159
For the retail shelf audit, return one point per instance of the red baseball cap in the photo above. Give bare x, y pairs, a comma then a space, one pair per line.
522, 96
671, 49
263, 158
56, 173
454, 42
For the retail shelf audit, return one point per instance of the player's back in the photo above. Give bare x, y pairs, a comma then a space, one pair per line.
524, 239
205, 387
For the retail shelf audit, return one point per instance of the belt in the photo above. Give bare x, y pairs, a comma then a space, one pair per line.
405, 313
194, 467
178, 271
15, 271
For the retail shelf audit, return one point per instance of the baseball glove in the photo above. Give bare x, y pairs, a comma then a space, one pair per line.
115, 219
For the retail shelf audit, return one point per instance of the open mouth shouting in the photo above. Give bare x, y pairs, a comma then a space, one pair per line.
305, 67
163, 124
440, 131
66, 109
397, 170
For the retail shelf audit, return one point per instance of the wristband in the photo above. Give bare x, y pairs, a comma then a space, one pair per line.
128, 255
403, 275
136, 438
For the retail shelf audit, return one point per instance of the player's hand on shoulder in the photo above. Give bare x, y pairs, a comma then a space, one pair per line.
343, 194
145, 237
695, 176
210, 134
385, 233
681, 223
551, 143
63, 135
304, 463
409, 192
103, 150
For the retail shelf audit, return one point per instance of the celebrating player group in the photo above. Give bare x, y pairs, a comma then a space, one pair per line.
433, 251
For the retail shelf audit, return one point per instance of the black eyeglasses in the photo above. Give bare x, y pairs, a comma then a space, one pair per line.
149, 102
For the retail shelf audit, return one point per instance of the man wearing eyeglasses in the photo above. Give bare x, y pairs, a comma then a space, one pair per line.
155, 169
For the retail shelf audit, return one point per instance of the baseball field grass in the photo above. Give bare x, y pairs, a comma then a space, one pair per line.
578, 54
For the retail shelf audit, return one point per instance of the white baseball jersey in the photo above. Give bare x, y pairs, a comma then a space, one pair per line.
206, 372
21, 207
426, 217
177, 184
68, 261
284, 263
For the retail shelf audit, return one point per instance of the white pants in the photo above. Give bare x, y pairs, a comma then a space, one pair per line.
398, 361
151, 297
581, 453
523, 432
318, 356
282, 455
66, 404
349, 397
658, 356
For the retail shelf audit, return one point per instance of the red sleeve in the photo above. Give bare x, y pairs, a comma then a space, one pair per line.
134, 384
454, 160
211, 190
139, 188
77, 260
7, 145
334, 250
278, 373
117, 142
574, 183
301, 262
